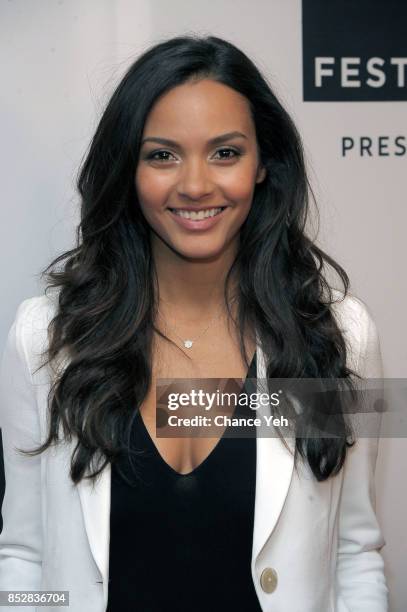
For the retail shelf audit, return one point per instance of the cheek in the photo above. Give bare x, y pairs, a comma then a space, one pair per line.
152, 190
239, 186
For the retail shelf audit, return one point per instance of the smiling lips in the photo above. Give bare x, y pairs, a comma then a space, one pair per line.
197, 215
202, 219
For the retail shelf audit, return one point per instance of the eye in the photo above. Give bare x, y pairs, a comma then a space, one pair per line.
228, 150
153, 157
164, 156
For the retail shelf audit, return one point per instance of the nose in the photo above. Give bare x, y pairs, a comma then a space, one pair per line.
194, 181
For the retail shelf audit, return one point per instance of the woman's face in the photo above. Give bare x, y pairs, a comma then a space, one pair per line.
198, 153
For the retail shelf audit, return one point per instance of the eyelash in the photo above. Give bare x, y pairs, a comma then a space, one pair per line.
151, 155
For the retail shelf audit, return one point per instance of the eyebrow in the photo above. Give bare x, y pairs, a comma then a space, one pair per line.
212, 141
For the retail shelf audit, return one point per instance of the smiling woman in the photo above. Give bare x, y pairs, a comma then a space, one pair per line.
205, 178
192, 261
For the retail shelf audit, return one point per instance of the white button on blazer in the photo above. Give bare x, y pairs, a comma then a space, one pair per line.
315, 544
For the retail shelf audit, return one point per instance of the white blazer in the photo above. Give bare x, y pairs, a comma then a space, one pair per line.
320, 540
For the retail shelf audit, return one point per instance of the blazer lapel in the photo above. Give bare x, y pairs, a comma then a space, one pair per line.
95, 502
274, 468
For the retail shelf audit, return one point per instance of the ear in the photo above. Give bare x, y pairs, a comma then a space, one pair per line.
261, 173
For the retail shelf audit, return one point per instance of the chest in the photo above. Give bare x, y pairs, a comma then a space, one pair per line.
218, 357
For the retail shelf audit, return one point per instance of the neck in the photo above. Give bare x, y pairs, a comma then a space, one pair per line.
192, 287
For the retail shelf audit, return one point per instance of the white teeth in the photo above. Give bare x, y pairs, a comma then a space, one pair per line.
197, 216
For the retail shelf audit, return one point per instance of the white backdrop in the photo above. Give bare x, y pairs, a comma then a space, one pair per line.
60, 62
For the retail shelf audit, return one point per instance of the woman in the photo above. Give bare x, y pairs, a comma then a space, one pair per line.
192, 262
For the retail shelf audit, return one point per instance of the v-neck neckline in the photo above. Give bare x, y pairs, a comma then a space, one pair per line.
207, 459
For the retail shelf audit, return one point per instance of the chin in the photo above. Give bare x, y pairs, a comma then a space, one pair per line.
201, 254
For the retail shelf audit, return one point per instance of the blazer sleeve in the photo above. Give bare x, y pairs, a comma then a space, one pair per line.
21, 537
361, 583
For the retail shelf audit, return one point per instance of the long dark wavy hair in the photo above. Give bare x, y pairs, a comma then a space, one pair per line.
107, 291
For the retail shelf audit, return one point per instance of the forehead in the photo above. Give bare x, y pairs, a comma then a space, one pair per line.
198, 108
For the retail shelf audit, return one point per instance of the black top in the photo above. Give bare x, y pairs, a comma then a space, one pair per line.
183, 542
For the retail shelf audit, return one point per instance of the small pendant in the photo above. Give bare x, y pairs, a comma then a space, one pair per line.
188, 343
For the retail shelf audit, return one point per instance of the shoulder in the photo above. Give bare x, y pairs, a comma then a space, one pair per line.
360, 333
35, 313
31, 322
351, 312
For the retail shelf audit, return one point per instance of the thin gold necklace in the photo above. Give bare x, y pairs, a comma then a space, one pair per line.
188, 343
